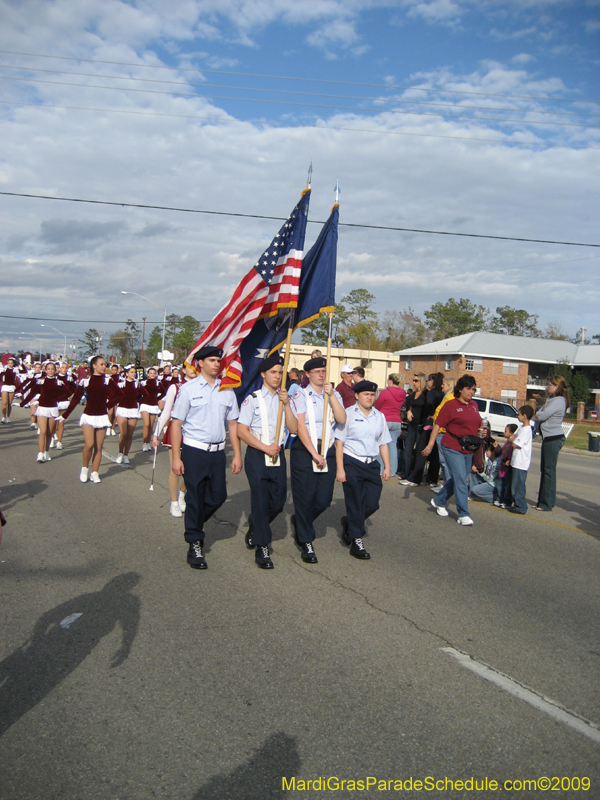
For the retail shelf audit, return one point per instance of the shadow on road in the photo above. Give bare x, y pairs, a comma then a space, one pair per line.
54, 652
14, 493
260, 777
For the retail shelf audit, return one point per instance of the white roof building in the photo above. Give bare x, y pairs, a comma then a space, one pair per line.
516, 348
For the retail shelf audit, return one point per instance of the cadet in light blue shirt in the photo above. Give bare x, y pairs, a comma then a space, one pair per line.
198, 418
363, 437
265, 458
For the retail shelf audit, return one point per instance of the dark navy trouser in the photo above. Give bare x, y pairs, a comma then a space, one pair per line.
206, 488
268, 492
312, 492
362, 491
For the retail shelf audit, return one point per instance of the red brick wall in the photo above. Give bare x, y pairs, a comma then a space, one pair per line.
491, 380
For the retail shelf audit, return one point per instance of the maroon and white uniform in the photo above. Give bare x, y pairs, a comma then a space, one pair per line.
102, 394
128, 403
48, 391
68, 388
151, 392
9, 379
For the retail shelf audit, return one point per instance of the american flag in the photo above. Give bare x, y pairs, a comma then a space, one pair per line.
272, 283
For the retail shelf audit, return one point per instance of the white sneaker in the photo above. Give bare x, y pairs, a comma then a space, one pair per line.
52, 442
40, 457
175, 511
440, 510
112, 432
95, 478
436, 489
46, 456
37, 429
119, 459
59, 445
464, 521
33, 426
125, 460
181, 500
83, 475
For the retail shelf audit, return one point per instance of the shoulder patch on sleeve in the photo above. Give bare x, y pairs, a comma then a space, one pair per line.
246, 401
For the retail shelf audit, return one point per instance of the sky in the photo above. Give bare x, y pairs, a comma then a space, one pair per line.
463, 116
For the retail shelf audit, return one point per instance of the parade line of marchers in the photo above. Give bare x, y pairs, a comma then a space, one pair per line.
431, 784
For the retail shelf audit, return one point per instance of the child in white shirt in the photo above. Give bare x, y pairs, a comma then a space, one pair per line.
522, 441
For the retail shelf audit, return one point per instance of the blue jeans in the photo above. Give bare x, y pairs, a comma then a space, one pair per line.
459, 466
482, 490
517, 488
393, 448
444, 466
547, 491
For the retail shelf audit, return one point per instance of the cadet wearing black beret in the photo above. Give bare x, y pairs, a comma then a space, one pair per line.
363, 437
265, 458
312, 475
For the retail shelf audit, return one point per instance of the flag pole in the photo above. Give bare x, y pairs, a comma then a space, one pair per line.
286, 361
326, 399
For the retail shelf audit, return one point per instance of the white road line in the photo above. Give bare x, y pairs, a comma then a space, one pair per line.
110, 458
545, 704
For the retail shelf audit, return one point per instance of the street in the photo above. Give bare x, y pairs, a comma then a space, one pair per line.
454, 653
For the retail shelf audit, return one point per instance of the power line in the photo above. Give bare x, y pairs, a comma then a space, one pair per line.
289, 91
314, 221
87, 321
192, 95
286, 124
295, 78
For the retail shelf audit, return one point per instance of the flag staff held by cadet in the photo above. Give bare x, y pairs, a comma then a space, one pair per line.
329, 337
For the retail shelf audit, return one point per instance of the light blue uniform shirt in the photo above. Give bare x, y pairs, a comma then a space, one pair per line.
303, 396
204, 409
250, 413
363, 435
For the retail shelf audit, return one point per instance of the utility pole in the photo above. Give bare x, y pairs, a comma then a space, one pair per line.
143, 338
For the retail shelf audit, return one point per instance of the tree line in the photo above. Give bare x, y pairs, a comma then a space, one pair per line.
181, 334
357, 325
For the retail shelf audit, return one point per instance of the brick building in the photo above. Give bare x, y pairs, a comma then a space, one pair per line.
514, 369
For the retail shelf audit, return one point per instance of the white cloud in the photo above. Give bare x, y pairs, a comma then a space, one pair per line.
523, 58
71, 259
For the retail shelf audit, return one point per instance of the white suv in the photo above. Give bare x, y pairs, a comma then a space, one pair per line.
499, 414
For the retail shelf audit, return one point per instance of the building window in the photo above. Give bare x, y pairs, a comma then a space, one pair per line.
478, 392
408, 363
510, 367
509, 396
407, 387
473, 364
448, 364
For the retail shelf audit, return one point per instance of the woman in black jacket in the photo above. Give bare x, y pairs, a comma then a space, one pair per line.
433, 397
415, 405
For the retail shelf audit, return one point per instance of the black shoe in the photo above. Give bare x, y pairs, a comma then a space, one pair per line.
248, 538
345, 537
262, 558
195, 556
358, 550
515, 510
308, 554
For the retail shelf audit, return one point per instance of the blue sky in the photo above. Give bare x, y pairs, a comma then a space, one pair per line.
494, 69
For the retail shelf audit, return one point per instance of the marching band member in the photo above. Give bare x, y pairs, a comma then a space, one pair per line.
198, 419
34, 373
48, 388
312, 475
10, 382
265, 457
128, 412
176, 483
94, 420
149, 409
116, 378
364, 436
68, 388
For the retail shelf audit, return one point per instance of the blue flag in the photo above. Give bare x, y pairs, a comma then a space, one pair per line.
316, 295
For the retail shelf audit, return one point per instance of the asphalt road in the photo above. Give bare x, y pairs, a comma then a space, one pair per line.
211, 685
